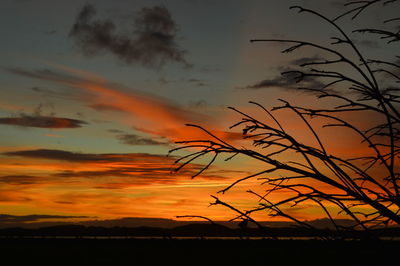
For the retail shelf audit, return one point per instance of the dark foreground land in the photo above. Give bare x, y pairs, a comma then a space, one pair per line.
195, 252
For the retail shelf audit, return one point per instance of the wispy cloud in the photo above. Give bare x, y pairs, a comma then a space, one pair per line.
197, 82
288, 82
305, 60
104, 184
152, 40
133, 139
106, 171
63, 155
19, 179
105, 107
42, 121
290, 79
367, 43
156, 115
7, 218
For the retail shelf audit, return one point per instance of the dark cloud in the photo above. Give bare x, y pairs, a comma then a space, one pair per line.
199, 104
105, 107
147, 172
290, 78
338, 4
19, 179
7, 218
46, 74
152, 42
71, 94
117, 131
164, 81
168, 107
51, 93
279, 81
128, 169
61, 155
192, 81
50, 32
42, 121
136, 174
132, 139
210, 69
74, 82
287, 81
306, 60
197, 82
367, 43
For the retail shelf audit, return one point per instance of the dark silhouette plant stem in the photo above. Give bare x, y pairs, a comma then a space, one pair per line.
366, 188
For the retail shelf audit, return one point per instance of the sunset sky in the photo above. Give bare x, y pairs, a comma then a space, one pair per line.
95, 93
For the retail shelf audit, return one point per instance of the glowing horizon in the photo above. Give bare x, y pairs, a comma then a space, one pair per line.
91, 103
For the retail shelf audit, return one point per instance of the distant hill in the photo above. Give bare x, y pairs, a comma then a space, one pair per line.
24, 222
136, 222
33, 221
189, 230
203, 230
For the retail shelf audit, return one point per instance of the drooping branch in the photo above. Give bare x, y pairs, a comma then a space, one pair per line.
366, 187
385, 34
357, 7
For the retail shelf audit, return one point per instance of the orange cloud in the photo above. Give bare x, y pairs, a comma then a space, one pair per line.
130, 169
42, 122
156, 115
105, 185
109, 183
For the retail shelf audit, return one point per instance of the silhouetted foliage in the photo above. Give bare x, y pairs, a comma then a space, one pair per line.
366, 188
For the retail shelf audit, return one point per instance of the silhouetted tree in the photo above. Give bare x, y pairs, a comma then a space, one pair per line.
366, 188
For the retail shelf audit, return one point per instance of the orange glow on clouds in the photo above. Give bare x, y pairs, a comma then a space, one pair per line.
115, 185
147, 112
